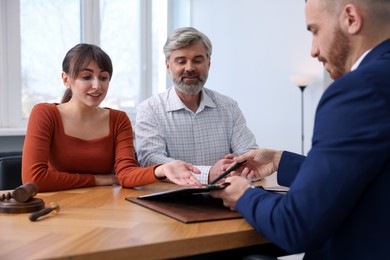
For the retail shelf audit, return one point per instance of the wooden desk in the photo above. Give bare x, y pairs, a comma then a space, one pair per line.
98, 223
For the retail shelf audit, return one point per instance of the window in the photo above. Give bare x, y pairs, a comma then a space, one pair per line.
48, 28
35, 36
137, 55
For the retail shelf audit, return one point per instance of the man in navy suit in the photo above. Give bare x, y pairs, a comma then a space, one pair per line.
338, 205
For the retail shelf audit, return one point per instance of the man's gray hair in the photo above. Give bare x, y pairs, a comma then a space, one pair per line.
186, 36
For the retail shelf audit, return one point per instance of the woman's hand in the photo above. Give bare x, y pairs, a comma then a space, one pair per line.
178, 172
104, 180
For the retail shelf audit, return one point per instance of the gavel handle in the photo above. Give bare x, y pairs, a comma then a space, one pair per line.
35, 215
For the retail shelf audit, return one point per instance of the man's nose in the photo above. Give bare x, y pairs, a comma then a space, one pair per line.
314, 50
189, 66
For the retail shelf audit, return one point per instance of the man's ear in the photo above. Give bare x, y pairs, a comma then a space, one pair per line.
352, 18
167, 65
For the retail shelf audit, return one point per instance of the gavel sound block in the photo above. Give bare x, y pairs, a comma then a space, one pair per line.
21, 200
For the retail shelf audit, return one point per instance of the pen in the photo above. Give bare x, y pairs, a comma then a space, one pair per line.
224, 174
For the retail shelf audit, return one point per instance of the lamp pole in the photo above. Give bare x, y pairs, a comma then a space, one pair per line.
302, 88
302, 82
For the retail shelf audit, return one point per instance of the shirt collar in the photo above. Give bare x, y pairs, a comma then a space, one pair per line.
357, 63
174, 102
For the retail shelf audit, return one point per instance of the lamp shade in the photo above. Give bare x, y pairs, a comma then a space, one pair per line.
302, 80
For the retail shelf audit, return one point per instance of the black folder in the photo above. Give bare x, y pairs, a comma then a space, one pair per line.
188, 204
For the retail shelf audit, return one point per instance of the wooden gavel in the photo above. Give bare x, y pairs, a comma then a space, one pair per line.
22, 193
53, 207
25, 194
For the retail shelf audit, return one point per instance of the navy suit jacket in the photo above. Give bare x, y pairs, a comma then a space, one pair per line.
338, 205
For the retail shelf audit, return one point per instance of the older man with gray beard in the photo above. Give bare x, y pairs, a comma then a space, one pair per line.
189, 122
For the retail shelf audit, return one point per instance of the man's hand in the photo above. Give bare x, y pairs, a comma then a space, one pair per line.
231, 194
220, 166
260, 163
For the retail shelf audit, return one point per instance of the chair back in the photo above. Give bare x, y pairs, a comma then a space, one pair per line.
10, 170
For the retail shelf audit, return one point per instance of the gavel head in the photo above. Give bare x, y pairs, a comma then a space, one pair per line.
25, 192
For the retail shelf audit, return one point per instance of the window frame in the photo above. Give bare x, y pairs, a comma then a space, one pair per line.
11, 119
10, 66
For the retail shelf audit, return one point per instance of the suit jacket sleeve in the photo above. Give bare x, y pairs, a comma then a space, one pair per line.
289, 167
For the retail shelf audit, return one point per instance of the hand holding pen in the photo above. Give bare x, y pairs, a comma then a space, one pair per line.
260, 163
227, 172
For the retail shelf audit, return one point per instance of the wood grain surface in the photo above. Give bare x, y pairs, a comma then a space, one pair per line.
98, 223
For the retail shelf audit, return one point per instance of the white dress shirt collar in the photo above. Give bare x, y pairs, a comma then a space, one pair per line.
174, 102
357, 63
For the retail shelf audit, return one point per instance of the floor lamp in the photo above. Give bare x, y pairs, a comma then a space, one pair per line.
302, 82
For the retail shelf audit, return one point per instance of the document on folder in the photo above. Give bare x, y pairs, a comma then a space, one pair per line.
185, 190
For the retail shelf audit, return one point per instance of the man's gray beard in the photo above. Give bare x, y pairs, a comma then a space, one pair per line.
189, 89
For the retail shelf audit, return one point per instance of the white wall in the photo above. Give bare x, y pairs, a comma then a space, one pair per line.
257, 46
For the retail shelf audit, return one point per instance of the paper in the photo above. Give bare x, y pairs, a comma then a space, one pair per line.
185, 190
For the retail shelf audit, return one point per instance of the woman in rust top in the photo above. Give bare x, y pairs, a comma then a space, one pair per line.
79, 144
